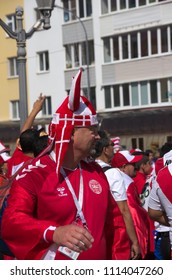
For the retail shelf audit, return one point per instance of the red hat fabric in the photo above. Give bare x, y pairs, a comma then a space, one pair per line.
116, 141
135, 150
75, 111
124, 157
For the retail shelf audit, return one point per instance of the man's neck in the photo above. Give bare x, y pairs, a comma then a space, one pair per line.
31, 155
103, 158
71, 160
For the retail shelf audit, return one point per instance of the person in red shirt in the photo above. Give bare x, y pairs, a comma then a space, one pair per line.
58, 206
143, 182
25, 144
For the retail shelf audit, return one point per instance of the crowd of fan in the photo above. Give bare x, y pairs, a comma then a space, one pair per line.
139, 219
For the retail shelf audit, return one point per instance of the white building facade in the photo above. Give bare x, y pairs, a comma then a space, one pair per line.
125, 47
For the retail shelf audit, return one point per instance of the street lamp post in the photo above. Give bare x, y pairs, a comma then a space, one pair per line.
20, 35
46, 10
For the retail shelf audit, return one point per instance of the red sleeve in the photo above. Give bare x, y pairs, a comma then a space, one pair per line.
23, 233
140, 218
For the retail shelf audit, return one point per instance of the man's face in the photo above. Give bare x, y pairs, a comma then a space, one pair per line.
129, 169
110, 150
84, 139
147, 168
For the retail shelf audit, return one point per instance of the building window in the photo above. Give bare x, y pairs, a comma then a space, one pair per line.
164, 39
134, 46
12, 67
126, 96
107, 91
139, 94
88, 8
47, 107
43, 58
68, 49
154, 42
142, 2
144, 43
71, 6
92, 96
123, 4
90, 53
132, 4
76, 8
115, 48
116, 95
164, 90
134, 94
104, 6
144, 93
153, 91
107, 52
15, 109
134, 143
85, 8
108, 6
137, 143
113, 5
76, 54
141, 144
138, 44
124, 46
11, 22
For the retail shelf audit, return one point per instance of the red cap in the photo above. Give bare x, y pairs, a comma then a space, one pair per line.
124, 157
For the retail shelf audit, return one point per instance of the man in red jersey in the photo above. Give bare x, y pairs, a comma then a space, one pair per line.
58, 206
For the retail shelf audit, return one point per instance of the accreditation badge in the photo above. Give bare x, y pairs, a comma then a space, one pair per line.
68, 252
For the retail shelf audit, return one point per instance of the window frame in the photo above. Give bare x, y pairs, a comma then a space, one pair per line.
12, 67
45, 63
47, 106
15, 109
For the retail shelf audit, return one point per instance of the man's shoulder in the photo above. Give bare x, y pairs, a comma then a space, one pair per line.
91, 165
165, 172
36, 166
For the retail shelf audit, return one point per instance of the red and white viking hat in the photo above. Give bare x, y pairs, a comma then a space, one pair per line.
117, 146
75, 111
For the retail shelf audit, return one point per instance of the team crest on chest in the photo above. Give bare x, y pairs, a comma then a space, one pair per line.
95, 186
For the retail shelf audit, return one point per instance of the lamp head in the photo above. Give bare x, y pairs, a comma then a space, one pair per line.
45, 7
